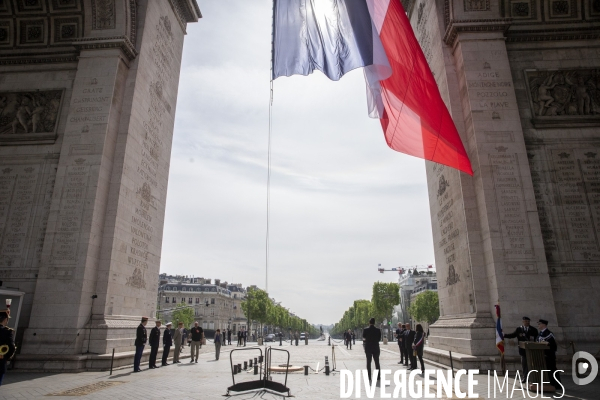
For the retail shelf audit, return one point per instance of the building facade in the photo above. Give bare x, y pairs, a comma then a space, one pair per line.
412, 282
216, 304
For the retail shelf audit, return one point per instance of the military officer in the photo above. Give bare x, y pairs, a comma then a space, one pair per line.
545, 336
7, 342
154, 342
141, 337
524, 333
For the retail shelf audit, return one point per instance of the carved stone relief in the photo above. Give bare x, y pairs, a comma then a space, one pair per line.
103, 14
24, 114
564, 93
477, 5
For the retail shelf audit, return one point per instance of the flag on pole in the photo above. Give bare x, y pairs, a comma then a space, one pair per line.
499, 334
337, 36
430, 266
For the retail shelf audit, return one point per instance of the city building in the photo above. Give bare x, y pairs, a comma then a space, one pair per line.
412, 282
216, 304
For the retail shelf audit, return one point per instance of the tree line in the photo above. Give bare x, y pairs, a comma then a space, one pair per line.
424, 308
381, 306
260, 308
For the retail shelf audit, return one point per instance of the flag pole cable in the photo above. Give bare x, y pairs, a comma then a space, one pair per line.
269, 149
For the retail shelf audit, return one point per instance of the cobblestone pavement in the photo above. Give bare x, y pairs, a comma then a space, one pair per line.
209, 379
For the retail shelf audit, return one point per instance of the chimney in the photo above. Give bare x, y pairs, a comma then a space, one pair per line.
218, 282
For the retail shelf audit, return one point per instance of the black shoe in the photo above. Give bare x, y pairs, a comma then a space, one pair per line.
137, 370
151, 367
196, 361
164, 365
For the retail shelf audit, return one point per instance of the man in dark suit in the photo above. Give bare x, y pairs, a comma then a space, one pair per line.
167, 343
371, 337
140, 341
409, 338
523, 333
154, 342
545, 336
400, 337
7, 342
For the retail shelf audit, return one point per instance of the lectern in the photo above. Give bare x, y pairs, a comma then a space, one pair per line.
536, 362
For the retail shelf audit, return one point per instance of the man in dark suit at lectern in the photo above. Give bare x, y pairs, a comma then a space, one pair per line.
523, 333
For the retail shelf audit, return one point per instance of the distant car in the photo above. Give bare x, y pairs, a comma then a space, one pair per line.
302, 336
270, 337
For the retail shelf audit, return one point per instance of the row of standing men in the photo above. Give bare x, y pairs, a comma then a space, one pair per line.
177, 338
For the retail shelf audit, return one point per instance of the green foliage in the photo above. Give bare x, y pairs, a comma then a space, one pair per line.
257, 305
385, 297
425, 307
183, 313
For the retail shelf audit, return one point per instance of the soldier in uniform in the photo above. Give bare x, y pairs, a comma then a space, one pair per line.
371, 337
7, 342
523, 333
167, 343
545, 336
140, 341
154, 343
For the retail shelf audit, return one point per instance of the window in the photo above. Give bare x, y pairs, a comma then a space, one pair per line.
204, 325
197, 300
183, 299
166, 299
190, 300
212, 312
212, 301
174, 300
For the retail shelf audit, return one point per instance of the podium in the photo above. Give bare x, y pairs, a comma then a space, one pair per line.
536, 361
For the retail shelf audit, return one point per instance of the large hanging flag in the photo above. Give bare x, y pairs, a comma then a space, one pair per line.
337, 36
499, 334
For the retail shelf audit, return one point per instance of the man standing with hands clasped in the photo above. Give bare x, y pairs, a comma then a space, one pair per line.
523, 333
178, 339
167, 343
141, 336
371, 337
154, 343
400, 336
409, 338
197, 333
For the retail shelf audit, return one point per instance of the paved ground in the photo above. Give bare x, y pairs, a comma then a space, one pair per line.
209, 379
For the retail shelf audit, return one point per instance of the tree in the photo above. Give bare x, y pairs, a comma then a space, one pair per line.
183, 313
425, 307
385, 297
257, 305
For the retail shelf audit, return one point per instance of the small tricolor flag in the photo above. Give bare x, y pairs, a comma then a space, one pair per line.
337, 36
499, 334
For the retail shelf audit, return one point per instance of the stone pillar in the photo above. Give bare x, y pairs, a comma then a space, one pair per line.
100, 258
486, 228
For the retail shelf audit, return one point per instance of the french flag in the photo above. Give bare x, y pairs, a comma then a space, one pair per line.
337, 36
499, 334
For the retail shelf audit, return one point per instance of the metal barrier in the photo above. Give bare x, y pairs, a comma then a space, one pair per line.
264, 384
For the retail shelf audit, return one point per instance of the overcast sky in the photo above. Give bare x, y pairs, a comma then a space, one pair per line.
341, 200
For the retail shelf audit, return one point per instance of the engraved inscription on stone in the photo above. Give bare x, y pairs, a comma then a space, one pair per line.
64, 250
512, 213
34, 112
423, 34
25, 195
450, 247
569, 197
564, 92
